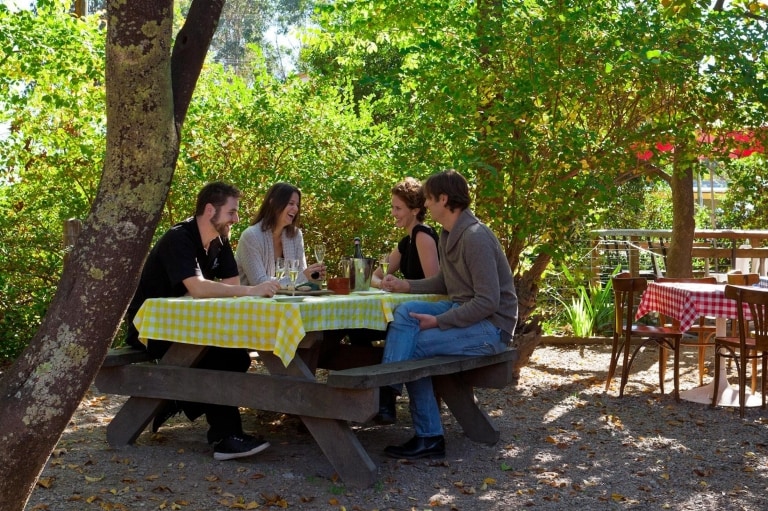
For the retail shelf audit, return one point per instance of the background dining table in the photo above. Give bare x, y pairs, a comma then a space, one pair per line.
686, 302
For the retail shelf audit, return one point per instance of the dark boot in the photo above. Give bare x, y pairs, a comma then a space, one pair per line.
418, 447
387, 406
168, 410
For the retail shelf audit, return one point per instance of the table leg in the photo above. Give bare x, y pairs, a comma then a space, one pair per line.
129, 422
334, 437
728, 395
344, 451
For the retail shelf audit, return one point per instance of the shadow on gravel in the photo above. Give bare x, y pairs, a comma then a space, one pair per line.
565, 444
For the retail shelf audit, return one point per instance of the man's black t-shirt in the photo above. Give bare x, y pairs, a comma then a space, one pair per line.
178, 255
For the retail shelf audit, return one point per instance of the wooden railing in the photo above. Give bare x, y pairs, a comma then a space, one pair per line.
718, 251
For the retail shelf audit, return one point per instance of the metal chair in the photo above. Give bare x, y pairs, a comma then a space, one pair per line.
624, 288
745, 347
705, 333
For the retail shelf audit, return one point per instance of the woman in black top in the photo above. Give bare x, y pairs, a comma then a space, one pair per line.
416, 254
415, 257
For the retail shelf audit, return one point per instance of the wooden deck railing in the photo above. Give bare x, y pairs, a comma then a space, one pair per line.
718, 250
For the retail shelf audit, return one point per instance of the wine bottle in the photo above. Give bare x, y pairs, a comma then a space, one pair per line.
358, 249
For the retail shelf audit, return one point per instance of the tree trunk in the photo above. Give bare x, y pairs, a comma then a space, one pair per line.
679, 263
42, 389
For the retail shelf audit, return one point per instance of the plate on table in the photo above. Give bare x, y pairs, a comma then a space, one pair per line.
369, 292
316, 292
289, 299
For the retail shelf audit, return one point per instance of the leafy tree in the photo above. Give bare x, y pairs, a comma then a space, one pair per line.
716, 84
745, 205
547, 105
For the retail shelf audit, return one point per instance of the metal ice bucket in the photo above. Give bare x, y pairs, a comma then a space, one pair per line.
360, 273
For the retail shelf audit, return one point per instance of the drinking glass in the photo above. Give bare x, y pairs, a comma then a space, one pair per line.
384, 263
320, 255
320, 252
279, 268
293, 272
345, 265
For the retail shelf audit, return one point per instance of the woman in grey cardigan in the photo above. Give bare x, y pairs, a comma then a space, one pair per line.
273, 233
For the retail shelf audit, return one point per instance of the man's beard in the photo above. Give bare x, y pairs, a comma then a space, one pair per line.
221, 228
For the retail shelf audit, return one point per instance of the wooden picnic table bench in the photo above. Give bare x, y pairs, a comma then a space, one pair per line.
326, 407
305, 370
126, 355
453, 378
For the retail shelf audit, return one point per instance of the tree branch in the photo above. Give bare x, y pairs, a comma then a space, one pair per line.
648, 169
189, 51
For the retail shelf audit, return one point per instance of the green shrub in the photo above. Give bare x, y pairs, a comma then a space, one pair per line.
591, 310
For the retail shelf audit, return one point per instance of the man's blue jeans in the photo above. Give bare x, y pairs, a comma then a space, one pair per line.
405, 341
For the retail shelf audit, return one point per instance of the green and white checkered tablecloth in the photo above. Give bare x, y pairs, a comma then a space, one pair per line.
264, 323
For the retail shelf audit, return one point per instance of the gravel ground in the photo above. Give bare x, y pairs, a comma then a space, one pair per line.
565, 444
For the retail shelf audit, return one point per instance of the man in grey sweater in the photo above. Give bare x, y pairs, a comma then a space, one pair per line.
479, 317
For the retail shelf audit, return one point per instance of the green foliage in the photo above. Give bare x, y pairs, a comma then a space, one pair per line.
646, 205
745, 205
591, 310
51, 82
544, 105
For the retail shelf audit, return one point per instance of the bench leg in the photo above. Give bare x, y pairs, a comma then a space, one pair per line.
460, 399
136, 413
131, 420
343, 450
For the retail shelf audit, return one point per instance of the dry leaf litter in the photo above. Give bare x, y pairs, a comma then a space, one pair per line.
565, 444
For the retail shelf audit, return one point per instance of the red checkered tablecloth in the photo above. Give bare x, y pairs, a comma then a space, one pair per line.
686, 302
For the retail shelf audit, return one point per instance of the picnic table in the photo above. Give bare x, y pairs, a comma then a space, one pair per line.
293, 339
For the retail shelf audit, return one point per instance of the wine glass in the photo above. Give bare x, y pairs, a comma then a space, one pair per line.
293, 272
280, 268
320, 255
384, 263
